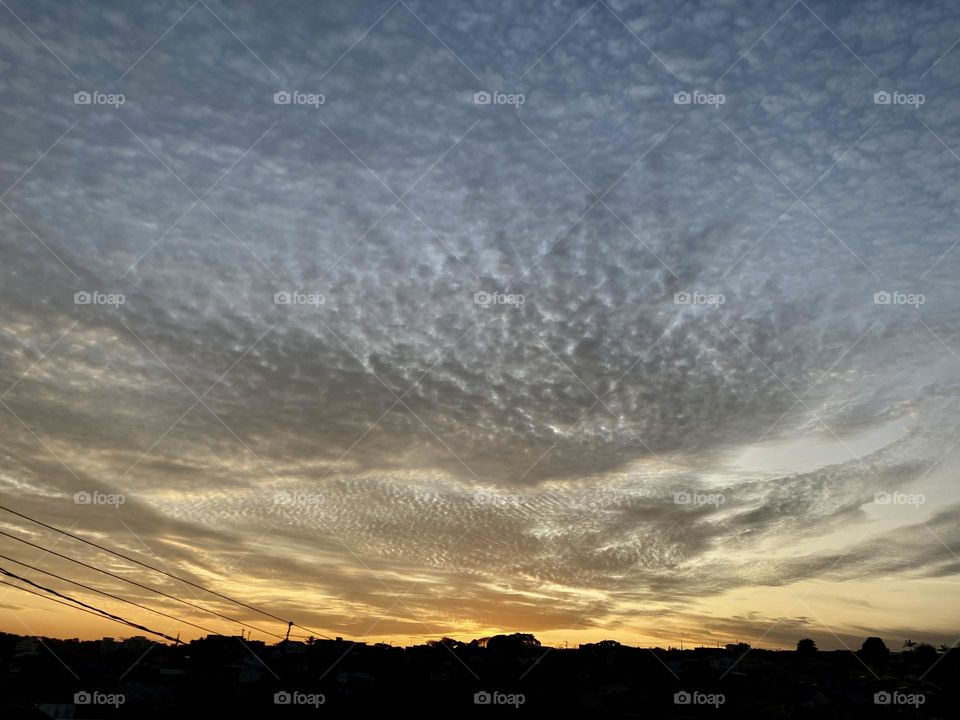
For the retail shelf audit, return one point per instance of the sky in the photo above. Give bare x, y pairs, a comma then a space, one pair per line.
404, 319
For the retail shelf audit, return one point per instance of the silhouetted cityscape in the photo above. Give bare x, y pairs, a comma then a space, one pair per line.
220, 676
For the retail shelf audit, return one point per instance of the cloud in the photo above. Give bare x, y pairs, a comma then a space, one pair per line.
394, 398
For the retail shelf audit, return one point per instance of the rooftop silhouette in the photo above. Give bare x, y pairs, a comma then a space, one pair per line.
236, 677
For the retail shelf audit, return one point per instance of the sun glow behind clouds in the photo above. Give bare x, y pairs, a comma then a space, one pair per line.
804, 455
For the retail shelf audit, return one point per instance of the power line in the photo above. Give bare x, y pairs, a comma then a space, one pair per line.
109, 595
105, 614
140, 585
163, 572
52, 599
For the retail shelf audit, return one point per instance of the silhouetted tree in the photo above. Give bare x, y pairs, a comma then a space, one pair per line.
512, 643
908, 644
874, 650
806, 646
925, 654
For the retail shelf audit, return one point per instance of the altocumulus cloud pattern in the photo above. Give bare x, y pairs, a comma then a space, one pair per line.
428, 318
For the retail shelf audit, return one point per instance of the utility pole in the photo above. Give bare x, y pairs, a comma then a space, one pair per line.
289, 625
